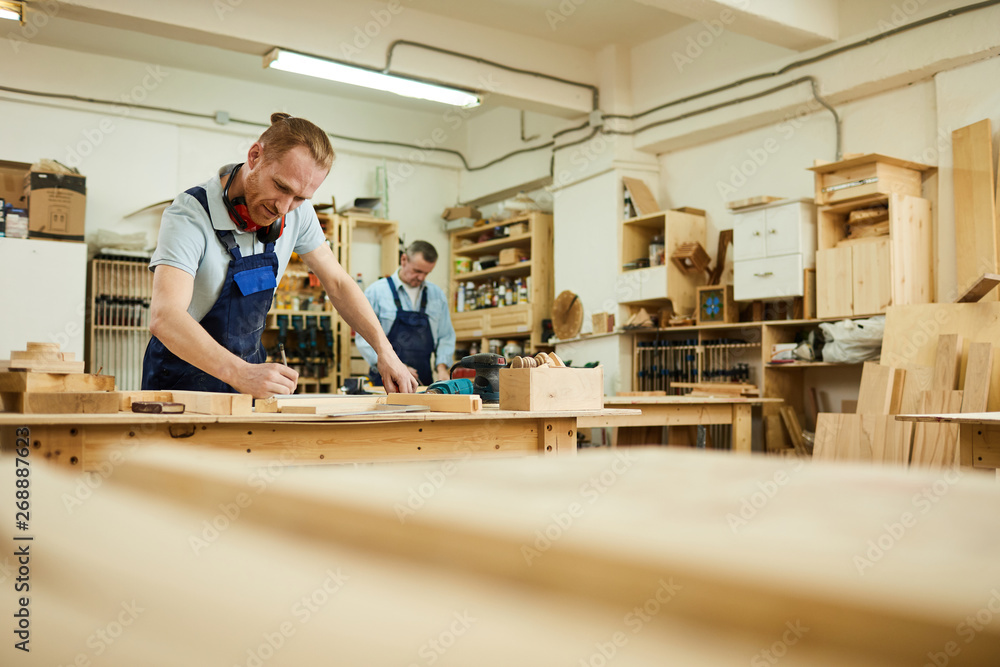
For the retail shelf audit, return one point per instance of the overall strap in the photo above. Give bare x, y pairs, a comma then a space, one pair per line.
227, 237
423, 299
395, 292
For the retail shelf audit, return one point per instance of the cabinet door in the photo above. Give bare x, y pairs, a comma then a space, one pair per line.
748, 236
781, 230
872, 277
834, 283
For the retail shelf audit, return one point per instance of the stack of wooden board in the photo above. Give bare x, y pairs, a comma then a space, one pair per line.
873, 434
43, 380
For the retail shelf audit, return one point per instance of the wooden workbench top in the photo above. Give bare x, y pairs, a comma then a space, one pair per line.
487, 413
685, 400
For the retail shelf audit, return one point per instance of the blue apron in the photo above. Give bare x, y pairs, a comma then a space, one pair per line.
411, 338
236, 319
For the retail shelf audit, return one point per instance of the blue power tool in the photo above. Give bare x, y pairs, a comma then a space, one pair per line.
459, 386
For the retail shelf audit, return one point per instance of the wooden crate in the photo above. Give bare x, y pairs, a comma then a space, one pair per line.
548, 388
868, 175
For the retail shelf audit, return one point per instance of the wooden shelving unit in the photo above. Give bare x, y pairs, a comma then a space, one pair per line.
532, 234
118, 322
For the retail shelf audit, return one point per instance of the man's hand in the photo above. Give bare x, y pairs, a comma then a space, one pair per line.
265, 380
396, 376
414, 373
441, 373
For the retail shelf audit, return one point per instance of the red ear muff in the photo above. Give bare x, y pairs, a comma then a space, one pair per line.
240, 215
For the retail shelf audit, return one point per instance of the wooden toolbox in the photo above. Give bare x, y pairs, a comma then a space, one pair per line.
868, 175
548, 388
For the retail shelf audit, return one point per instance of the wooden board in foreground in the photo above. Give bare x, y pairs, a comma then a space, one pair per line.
54, 403
439, 402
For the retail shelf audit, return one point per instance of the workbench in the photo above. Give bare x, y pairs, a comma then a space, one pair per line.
629, 558
978, 436
681, 411
90, 440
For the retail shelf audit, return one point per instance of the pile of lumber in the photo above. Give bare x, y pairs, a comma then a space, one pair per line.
43, 380
868, 223
873, 434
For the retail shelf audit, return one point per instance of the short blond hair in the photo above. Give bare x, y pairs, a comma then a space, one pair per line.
287, 132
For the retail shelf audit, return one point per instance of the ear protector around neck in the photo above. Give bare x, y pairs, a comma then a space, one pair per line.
240, 215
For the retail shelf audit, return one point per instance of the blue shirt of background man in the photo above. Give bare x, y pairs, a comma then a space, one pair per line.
379, 295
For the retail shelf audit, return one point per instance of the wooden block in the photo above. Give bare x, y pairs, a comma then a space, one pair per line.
975, 217
641, 393
642, 198
603, 322
298, 410
126, 398
509, 256
978, 374
43, 366
809, 300
215, 403
78, 402
22, 381
690, 258
947, 362
936, 445
980, 288
466, 403
791, 421
548, 388
881, 390
868, 216
262, 405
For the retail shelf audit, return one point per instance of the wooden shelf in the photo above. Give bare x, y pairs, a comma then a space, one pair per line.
518, 241
512, 270
805, 364
476, 231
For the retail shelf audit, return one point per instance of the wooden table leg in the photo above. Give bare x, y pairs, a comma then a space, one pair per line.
558, 437
742, 436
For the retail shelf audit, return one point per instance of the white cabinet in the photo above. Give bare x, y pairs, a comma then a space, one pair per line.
772, 245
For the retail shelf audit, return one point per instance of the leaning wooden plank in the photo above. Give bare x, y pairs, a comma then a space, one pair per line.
947, 362
794, 429
980, 288
825, 443
936, 445
978, 373
642, 198
881, 388
975, 217
78, 402
918, 379
439, 402
891, 440
31, 381
774, 435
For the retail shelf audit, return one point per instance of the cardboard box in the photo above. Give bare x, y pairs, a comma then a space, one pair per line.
57, 206
546, 388
12, 182
457, 212
603, 322
511, 256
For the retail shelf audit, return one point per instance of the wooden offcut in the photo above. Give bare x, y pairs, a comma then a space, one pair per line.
978, 373
975, 215
76, 402
690, 258
547, 388
464, 403
642, 198
791, 421
881, 389
21, 381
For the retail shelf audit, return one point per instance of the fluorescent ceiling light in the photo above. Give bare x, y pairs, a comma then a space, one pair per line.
290, 61
12, 10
